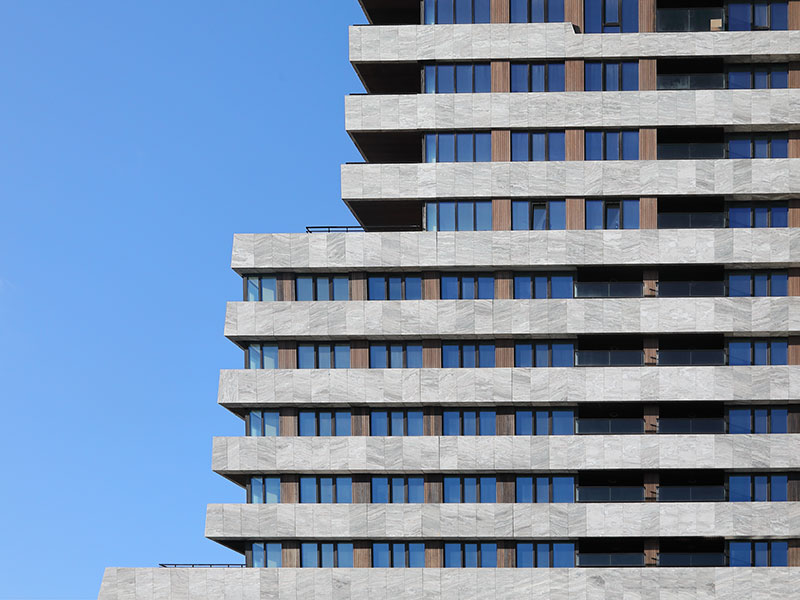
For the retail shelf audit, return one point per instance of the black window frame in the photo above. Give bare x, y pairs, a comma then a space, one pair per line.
386, 277
460, 277
437, 65
314, 285
316, 412
477, 411
752, 408
547, 132
546, 64
316, 346
532, 204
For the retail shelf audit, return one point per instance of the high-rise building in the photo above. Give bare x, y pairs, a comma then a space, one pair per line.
561, 358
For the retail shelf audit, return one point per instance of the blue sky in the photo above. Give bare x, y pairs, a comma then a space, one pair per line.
135, 139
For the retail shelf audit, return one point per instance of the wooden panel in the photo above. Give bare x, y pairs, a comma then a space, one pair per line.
794, 419
576, 216
648, 144
651, 482
358, 286
794, 282
506, 555
361, 490
501, 12
362, 555
501, 145
648, 79
434, 490
794, 75
504, 285
504, 353
290, 489
359, 354
501, 214
501, 76
290, 555
651, 350
648, 213
573, 13
794, 213
432, 422
287, 355
574, 144
794, 553
794, 14
651, 553
431, 354
287, 422
573, 75
651, 418
359, 421
650, 281
794, 350
794, 144
505, 421
506, 489
434, 555
647, 16
430, 286
794, 489
286, 287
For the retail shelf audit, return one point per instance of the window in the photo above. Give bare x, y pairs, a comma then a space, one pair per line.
394, 287
458, 216
612, 145
313, 555
470, 555
546, 555
263, 423
323, 356
748, 16
543, 285
326, 490
261, 289
611, 76
458, 147
757, 352
457, 11
759, 214
470, 490
763, 76
397, 490
537, 146
758, 554
611, 16
558, 489
538, 215
467, 356
544, 354
396, 423
398, 555
758, 420
324, 422
612, 214
758, 283
264, 490
266, 555
262, 356
537, 77
458, 79
758, 146
758, 488
469, 422
467, 287
537, 11
395, 356
545, 422
334, 287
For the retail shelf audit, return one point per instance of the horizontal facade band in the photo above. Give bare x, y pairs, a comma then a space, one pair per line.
501, 521
759, 583
246, 388
765, 109
392, 251
238, 455
413, 43
776, 178
466, 319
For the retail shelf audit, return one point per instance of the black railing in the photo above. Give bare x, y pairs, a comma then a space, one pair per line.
199, 566
333, 228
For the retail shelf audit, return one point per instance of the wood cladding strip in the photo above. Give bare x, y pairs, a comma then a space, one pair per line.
434, 490
574, 144
501, 214
794, 350
573, 13
794, 14
651, 415
500, 76
650, 281
648, 144
358, 286
651, 552
431, 355
648, 80
648, 213
651, 483
286, 287
650, 350
504, 285
362, 555
647, 16
794, 282
290, 489
794, 75
794, 144
288, 422
359, 354
576, 213
501, 145
500, 11
573, 76
434, 555
431, 286
794, 420
432, 423
287, 355
290, 555
794, 213
504, 353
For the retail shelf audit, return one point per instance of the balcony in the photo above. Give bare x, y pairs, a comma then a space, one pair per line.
610, 289
691, 81
691, 493
689, 289
609, 358
691, 220
611, 425
690, 19
691, 151
685, 357
611, 493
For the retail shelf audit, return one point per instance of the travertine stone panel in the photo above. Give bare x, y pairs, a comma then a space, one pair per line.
502, 453
468, 319
425, 112
776, 248
502, 521
453, 387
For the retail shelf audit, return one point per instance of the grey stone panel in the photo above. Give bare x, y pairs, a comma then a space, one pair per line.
471, 319
430, 454
500, 386
756, 520
538, 41
511, 584
765, 109
777, 178
777, 248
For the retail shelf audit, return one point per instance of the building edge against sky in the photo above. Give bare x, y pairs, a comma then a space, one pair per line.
562, 358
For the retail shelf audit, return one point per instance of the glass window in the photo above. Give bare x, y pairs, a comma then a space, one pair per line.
416, 490
380, 554
326, 490
524, 555
739, 420
779, 419
488, 489
486, 356
594, 214
739, 488
563, 422
630, 75
380, 490
489, 556
779, 554
555, 145
452, 489
342, 423
257, 490
398, 490
523, 422
451, 421
739, 554
488, 422
308, 490
344, 490
379, 423
739, 353
543, 490
563, 489
378, 358
563, 555
452, 555
543, 556
563, 355
272, 490
307, 423
414, 423
524, 491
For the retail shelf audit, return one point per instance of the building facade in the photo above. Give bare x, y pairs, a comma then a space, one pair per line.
562, 359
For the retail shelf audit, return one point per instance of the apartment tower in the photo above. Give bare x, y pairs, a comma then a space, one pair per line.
560, 358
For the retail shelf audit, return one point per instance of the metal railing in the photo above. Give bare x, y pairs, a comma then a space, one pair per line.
333, 228
200, 566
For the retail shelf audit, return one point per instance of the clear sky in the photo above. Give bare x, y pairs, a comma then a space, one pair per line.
135, 139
